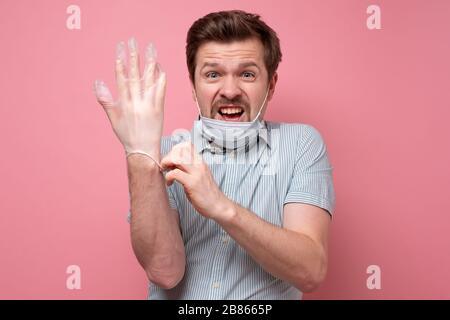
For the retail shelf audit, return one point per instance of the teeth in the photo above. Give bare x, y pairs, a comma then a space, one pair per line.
230, 110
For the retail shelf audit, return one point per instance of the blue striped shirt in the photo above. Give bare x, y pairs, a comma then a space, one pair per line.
288, 164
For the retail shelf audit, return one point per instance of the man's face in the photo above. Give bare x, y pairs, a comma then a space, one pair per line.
231, 80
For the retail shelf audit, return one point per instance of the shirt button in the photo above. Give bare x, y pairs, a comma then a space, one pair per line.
225, 239
216, 284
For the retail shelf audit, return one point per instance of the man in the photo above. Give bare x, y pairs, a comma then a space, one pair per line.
249, 212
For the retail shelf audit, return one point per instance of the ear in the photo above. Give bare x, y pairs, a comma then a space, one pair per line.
272, 85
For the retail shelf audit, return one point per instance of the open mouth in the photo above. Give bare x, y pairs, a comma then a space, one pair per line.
231, 113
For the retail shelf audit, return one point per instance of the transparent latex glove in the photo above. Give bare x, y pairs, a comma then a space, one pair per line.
137, 115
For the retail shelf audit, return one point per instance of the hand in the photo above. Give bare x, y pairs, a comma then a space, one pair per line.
188, 168
137, 116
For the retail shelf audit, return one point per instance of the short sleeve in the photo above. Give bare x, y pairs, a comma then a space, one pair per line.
170, 194
311, 180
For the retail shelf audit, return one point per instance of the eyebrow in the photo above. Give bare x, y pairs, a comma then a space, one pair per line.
241, 65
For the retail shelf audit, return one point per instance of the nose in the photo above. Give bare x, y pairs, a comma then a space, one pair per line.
230, 88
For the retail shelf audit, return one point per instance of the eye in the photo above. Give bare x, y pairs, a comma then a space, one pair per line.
248, 75
212, 75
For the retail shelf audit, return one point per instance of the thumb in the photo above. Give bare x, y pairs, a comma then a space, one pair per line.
104, 97
103, 94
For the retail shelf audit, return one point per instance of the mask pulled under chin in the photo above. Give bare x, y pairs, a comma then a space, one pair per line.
230, 135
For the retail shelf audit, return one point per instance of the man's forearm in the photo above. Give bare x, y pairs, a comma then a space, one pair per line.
155, 234
286, 254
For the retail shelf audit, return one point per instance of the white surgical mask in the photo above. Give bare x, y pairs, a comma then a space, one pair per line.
230, 135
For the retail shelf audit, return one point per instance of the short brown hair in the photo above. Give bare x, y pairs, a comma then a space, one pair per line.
228, 26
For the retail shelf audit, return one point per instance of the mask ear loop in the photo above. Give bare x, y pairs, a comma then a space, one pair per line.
262, 105
198, 107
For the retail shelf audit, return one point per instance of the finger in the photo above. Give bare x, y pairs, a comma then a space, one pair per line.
183, 156
196, 157
171, 161
174, 159
177, 175
151, 85
121, 80
161, 90
133, 75
150, 72
189, 153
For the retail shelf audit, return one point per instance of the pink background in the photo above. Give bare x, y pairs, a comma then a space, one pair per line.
380, 98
